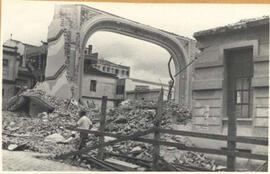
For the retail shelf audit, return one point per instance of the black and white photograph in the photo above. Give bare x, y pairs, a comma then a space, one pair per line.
99, 86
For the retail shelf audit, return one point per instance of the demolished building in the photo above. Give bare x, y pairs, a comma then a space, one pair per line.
69, 32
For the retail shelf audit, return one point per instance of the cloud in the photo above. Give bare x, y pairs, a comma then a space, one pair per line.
147, 61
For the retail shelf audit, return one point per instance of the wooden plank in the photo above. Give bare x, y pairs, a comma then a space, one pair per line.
156, 149
128, 157
204, 150
240, 139
206, 84
194, 134
123, 138
121, 163
102, 127
231, 145
100, 163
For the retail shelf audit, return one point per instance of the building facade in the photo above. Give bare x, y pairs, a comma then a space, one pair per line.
120, 71
23, 66
9, 73
231, 78
128, 88
146, 94
97, 84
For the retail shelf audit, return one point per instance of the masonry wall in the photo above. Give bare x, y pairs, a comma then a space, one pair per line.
147, 96
106, 86
208, 88
8, 91
10, 71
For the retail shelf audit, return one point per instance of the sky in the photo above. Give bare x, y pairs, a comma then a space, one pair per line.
28, 22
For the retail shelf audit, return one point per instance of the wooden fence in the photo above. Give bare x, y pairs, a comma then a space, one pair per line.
231, 151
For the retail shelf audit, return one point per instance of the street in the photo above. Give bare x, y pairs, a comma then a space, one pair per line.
28, 161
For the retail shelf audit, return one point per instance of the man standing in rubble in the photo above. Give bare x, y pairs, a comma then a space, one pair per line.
85, 124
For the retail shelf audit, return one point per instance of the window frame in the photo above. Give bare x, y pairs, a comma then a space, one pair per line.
242, 102
93, 85
5, 62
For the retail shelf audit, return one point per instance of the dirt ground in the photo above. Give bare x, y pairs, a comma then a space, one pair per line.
30, 161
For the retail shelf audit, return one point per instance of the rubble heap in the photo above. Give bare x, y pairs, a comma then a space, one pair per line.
38, 134
19, 128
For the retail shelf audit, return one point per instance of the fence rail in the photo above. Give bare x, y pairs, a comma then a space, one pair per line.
182, 146
239, 139
231, 139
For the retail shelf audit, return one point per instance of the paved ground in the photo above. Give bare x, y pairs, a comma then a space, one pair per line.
28, 161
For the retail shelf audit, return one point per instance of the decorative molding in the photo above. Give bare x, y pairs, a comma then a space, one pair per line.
87, 14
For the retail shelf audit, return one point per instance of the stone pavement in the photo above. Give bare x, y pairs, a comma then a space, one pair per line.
27, 161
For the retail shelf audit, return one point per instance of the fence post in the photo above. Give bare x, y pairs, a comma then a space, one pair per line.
102, 126
157, 120
231, 143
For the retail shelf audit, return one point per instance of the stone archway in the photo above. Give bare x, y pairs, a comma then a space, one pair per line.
70, 30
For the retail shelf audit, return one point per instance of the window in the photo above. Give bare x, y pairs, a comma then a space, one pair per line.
108, 69
120, 89
123, 72
116, 71
93, 85
85, 51
5, 62
103, 68
127, 73
243, 96
239, 75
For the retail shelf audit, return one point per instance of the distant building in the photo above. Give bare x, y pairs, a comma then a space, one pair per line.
97, 83
23, 66
109, 67
144, 94
131, 88
9, 74
105, 78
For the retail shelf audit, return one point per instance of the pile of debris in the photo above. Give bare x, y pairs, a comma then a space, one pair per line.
31, 132
133, 116
47, 132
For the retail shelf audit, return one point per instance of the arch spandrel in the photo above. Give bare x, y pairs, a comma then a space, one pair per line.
90, 20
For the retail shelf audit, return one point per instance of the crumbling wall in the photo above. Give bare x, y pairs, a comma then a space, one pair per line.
60, 87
